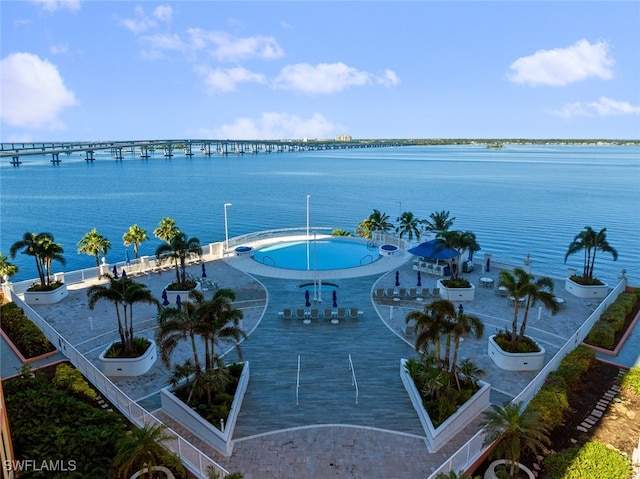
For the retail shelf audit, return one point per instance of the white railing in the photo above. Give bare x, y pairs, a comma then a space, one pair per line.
194, 459
474, 447
354, 381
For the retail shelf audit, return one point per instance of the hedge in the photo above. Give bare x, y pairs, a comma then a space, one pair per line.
23, 333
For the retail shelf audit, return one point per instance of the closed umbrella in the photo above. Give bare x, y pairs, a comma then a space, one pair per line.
419, 279
488, 264
115, 271
335, 299
124, 274
397, 278
204, 271
165, 301
178, 302
127, 259
306, 298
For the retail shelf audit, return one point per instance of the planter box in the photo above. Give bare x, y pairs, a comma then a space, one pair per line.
172, 296
600, 291
128, 366
33, 298
200, 427
440, 436
515, 361
490, 473
456, 294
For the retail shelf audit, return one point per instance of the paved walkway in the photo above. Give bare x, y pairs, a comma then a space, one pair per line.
322, 432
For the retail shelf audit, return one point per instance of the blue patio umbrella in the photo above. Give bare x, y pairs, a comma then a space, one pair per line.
397, 278
460, 309
178, 302
115, 271
419, 279
204, 271
165, 301
124, 274
434, 249
306, 298
335, 299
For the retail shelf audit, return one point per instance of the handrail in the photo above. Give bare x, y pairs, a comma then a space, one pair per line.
298, 382
354, 381
265, 258
365, 257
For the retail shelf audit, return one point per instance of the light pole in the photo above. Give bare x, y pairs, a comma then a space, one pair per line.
226, 228
308, 266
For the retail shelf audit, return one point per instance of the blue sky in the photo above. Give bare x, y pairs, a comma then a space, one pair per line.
115, 70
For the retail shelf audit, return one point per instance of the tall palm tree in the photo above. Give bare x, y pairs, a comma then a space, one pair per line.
428, 330
30, 244
540, 289
438, 221
125, 292
517, 428
220, 322
166, 229
590, 242
409, 225
7, 269
141, 449
175, 325
379, 222
94, 244
518, 286
340, 232
464, 324
460, 241
49, 252
177, 249
135, 236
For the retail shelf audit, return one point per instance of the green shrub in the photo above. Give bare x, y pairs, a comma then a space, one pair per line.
591, 460
575, 364
552, 403
602, 334
23, 333
631, 380
71, 379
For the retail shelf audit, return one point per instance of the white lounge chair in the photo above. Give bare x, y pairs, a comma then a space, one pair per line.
287, 313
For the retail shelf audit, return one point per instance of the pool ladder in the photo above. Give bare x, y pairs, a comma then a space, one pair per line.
264, 260
362, 261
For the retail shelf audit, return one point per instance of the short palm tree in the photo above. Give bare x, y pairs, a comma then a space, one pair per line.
590, 242
7, 269
31, 246
135, 236
340, 232
464, 324
376, 222
49, 252
521, 284
177, 249
408, 225
94, 244
141, 449
461, 242
517, 430
166, 229
438, 221
125, 292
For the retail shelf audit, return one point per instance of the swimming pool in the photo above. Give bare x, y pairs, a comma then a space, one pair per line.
317, 255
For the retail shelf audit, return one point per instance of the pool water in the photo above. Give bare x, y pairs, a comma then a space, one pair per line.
318, 255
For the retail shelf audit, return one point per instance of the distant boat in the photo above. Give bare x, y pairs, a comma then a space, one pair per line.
495, 146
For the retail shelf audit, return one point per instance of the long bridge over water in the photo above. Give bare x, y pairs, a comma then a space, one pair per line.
15, 152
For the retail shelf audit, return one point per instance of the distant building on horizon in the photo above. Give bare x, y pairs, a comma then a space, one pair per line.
343, 137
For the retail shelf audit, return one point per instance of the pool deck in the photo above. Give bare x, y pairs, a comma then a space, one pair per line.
320, 431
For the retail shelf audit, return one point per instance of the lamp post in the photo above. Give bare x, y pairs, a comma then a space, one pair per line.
308, 266
226, 228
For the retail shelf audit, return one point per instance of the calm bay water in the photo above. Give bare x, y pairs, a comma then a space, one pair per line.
519, 200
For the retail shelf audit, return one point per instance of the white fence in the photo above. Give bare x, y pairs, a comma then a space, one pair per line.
474, 448
194, 459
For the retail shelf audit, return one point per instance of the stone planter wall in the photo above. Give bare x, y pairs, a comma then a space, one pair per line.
581, 291
172, 296
34, 298
199, 426
515, 361
440, 436
456, 294
128, 366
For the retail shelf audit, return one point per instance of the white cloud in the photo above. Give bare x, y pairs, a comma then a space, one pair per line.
226, 79
273, 125
225, 47
33, 92
53, 5
143, 22
326, 78
59, 49
603, 107
562, 66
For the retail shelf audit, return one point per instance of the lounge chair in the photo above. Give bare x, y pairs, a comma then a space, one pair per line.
300, 314
436, 293
315, 313
402, 293
412, 293
390, 293
378, 293
354, 313
328, 314
342, 314
287, 313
